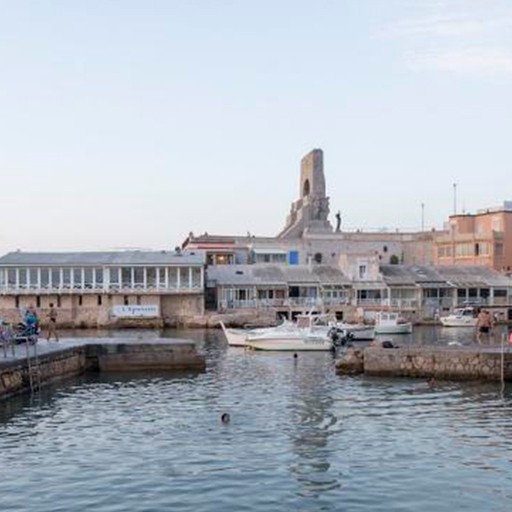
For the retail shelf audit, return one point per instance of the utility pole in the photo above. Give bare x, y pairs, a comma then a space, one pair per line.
422, 217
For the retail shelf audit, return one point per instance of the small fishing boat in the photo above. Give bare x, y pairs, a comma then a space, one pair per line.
391, 323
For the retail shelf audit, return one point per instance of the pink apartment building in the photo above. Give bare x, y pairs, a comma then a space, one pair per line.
484, 238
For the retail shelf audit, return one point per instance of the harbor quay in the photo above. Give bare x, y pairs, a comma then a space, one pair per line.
482, 363
26, 367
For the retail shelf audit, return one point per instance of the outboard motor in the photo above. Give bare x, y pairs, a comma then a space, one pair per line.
340, 337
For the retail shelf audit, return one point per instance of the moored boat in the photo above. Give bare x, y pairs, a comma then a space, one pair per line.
391, 323
358, 332
293, 341
461, 317
238, 337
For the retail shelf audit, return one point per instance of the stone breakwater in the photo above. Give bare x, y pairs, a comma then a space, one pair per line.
450, 363
20, 374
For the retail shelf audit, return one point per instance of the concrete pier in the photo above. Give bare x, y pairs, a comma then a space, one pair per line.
49, 362
451, 363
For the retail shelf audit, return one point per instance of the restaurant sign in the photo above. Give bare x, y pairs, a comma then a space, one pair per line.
145, 311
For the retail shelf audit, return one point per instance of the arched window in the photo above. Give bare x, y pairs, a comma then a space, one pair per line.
306, 189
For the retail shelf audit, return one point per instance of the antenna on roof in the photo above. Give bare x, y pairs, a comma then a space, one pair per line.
455, 199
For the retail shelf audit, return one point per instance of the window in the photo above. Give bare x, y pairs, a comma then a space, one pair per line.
482, 249
318, 257
161, 274
11, 278
88, 284
114, 277
17, 302
464, 250
99, 277
80, 300
77, 278
498, 249
33, 277
173, 277
126, 277
151, 277
138, 274
66, 278
23, 277
58, 301
125, 300
196, 277
45, 278
55, 275
362, 271
38, 301
99, 300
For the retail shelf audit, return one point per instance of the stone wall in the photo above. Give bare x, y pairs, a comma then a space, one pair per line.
68, 362
456, 363
15, 376
95, 310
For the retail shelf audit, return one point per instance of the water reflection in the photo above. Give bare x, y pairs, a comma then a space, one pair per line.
312, 423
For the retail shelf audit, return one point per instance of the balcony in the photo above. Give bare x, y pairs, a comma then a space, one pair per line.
94, 289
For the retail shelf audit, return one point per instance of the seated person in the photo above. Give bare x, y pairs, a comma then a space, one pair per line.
31, 320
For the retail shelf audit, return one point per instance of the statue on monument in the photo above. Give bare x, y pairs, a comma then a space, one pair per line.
338, 221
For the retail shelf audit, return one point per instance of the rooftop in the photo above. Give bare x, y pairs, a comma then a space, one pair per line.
20, 258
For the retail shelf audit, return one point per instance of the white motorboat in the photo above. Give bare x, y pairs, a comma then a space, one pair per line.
300, 340
308, 332
238, 337
461, 317
391, 323
234, 337
303, 335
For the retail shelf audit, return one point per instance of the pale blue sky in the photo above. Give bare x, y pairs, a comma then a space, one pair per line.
129, 123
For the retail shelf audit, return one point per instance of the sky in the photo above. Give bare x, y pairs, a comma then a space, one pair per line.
128, 124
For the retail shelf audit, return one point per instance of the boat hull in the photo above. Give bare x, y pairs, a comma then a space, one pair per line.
458, 322
358, 332
291, 344
394, 329
234, 337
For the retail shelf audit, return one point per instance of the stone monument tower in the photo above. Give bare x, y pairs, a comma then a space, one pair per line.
309, 214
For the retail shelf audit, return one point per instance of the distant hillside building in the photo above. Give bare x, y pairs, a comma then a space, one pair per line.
484, 238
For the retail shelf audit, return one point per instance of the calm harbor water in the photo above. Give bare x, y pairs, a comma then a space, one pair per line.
300, 438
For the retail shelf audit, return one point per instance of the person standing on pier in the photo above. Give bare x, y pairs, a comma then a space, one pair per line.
52, 324
484, 325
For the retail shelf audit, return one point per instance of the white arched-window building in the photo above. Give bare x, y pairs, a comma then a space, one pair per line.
101, 288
